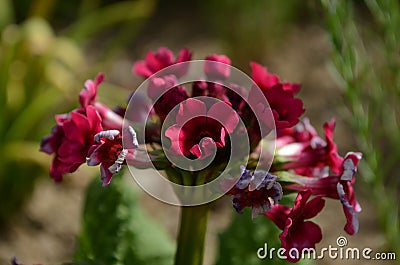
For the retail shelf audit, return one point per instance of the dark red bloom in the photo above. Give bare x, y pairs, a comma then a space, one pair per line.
88, 96
266, 80
285, 108
303, 132
262, 77
165, 94
306, 151
346, 192
106, 151
209, 89
163, 58
298, 233
197, 130
334, 161
217, 67
337, 187
109, 152
70, 140
256, 191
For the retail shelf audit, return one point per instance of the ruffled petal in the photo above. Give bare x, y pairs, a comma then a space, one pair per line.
190, 109
140, 68
225, 115
262, 77
173, 133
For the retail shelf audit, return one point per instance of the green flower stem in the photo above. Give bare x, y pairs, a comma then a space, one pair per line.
192, 232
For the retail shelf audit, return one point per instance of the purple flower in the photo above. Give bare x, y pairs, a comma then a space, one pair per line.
255, 190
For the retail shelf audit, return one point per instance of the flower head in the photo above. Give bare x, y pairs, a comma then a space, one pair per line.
165, 94
265, 80
285, 108
306, 151
303, 132
339, 187
346, 192
217, 67
334, 161
109, 152
88, 95
163, 58
209, 89
255, 191
298, 233
70, 140
197, 130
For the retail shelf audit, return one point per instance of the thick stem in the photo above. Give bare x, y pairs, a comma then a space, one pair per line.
192, 232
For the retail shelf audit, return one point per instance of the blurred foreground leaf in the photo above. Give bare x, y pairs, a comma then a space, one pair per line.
115, 230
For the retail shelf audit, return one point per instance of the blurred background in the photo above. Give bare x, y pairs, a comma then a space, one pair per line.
346, 54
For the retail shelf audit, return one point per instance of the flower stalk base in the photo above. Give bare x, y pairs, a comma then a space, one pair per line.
192, 233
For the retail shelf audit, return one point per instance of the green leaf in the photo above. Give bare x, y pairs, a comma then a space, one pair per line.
80, 263
101, 18
116, 230
6, 13
240, 242
16, 185
285, 176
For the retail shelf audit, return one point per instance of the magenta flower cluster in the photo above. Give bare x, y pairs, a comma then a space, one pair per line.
312, 167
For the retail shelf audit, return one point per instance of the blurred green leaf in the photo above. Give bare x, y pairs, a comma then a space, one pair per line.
115, 229
100, 19
38, 71
81, 263
256, 24
17, 178
42, 8
6, 13
26, 152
